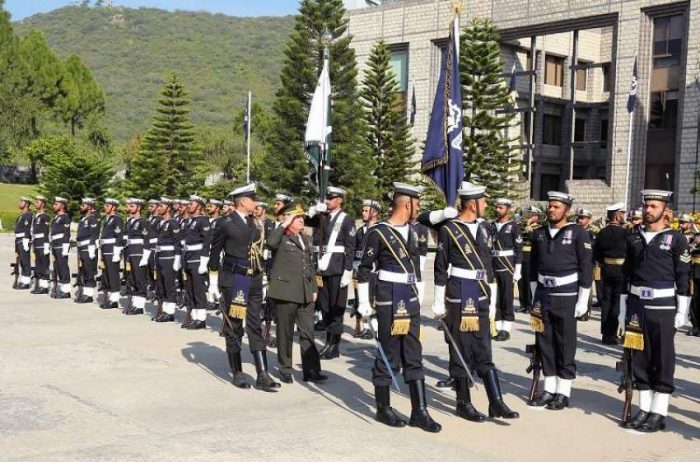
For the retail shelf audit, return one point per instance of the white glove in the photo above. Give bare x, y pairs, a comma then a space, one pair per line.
265, 280
582, 301
91, 252
144, 258
492, 300
176, 263
25, 244
375, 325
683, 303
438, 216
214, 284
423, 258
420, 288
346, 278
439, 301
47, 248
623, 313
203, 265
65, 248
533, 290
116, 256
517, 274
363, 306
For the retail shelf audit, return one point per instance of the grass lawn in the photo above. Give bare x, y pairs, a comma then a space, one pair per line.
9, 195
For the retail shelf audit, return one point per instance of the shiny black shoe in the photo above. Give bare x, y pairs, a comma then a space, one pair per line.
39, 291
523, 309
497, 407
286, 378
333, 350
315, 376
186, 324
502, 336
635, 421
165, 317
465, 409
447, 383
84, 299
62, 295
195, 325
22, 286
586, 316
133, 311
541, 399
653, 423
558, 403
109, 306
692, 332
263, 381
239, 381
419, 409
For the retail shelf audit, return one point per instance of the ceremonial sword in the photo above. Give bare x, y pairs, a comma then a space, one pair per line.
384, 358
459, 354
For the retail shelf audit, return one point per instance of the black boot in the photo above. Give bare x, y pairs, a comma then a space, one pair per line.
654, 423
194, 325
165, 317
465, 409
497, 408
558, 403
234, 360
326, 345
21, 286
314, 376
385, 414
333, 351
419, 410
634, 422
541, 399
449, 382
264, 381
84, 299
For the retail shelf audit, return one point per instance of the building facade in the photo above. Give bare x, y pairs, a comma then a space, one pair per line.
574, 63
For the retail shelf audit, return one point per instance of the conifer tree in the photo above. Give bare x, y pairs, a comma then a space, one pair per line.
80, 94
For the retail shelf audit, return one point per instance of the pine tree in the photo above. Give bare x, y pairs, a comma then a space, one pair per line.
491, 157
285, 166
80, 94
388, 132
168, 162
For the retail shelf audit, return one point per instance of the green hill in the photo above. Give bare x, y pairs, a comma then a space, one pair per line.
218, 57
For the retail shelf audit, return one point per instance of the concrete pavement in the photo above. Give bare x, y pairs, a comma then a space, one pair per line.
79, 383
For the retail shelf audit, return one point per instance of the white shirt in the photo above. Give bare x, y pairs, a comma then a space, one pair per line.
244, 216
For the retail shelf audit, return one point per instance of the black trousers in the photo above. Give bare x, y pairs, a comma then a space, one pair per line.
557, 344
196, 287
60, 264
165, 279
25, 260
654, 367
504, 299
404, 352
475, 347
138, 276
301, 314
333, 299
694, 306
152, 269
524, 292
41, 262
610, 305
232, 329
87, 270
110, 272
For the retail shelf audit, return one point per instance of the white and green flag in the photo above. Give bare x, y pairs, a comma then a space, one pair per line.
318, 129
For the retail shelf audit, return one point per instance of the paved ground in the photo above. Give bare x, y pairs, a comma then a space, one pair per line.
78, 383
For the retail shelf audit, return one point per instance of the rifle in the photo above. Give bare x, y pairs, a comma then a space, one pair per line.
535, 367
54, 279
78, 277
129, 286
15, 271
626, 383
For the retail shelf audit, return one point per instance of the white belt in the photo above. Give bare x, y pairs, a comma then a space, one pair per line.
502, 253
331, 249
134, 241
56, 236
110, 240
19, 235
83, 243
648, 293
153, 240
477, 275
165, 248
38, 236
554, 281
390, 276
189, 248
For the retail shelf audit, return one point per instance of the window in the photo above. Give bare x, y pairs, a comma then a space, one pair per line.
580, 130
663, 111
399, 65
548, 182
551, 133
581, 77
606, 76
603, 133
554, 71
668, 35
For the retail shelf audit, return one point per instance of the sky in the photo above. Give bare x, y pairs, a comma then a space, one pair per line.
20, 9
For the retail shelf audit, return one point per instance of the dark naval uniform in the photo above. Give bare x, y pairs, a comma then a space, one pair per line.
86, 243
153, 223
23, 240
695, 275
42, 252
197, 238
138, 249
524, 290
562, 267
111, 244
609, 251
507, 256
360, 235
168, 251
60, 245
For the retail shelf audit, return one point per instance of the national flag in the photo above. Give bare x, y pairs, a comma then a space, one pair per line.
442, 161
413, 106
632, 97
246, 119
318, 129
512, 89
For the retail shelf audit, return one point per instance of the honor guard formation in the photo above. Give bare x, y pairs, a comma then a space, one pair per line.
227, 256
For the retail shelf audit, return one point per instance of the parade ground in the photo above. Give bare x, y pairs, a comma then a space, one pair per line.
78, 383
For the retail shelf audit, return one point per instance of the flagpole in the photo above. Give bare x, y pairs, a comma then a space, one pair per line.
250, 119
629, 156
